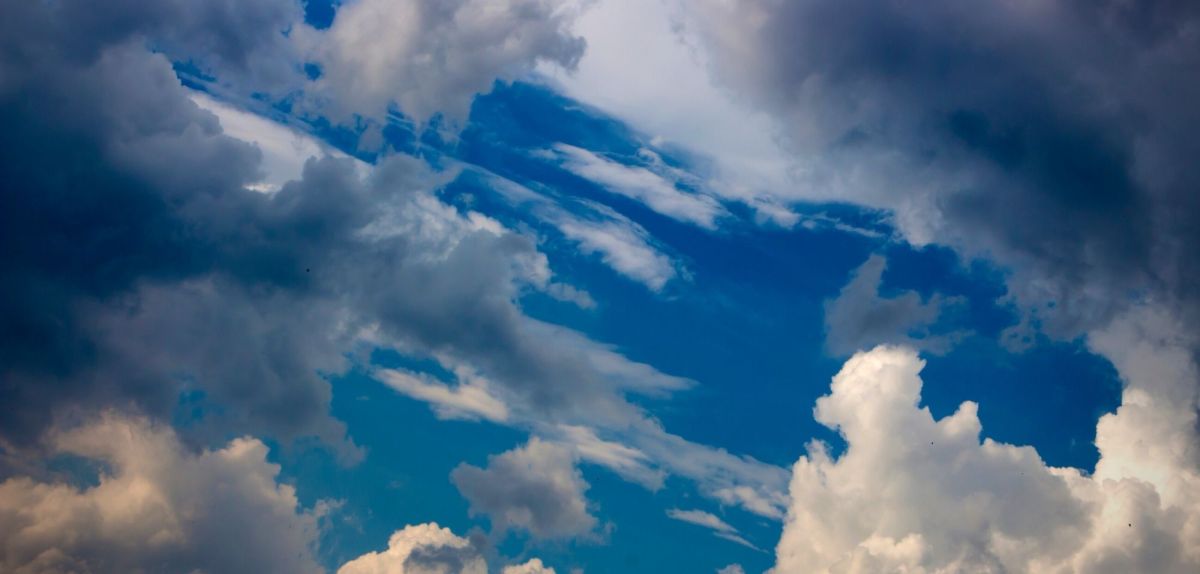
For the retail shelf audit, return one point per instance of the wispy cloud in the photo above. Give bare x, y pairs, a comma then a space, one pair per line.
720, 528
656, 190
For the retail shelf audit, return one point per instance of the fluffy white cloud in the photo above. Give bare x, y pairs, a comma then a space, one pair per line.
158, 507
536, 488
534, 566
434, 56
430, 549
420, 548
915, 494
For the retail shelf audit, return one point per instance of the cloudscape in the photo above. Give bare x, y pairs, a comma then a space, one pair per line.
567, 286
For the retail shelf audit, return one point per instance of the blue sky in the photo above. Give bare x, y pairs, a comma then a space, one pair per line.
613, 286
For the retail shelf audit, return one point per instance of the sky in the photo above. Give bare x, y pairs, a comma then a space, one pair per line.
530, 287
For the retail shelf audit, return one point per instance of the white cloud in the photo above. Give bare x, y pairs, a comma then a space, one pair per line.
655, 190
661, 85
915, 494
626, 461
701, 518
622, 244
157, 507
534, 566
471, 398
418, 549
732, 569
434, 56
430, 549
720, 528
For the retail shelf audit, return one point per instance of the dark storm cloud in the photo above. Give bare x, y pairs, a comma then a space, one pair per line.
139, 265
1054, 136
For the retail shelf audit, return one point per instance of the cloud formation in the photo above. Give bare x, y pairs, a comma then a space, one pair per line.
654, 184
432, 57
911, 493
536, 488
430, 549
1051, 137
157, 506
861, 317
720, 528
138, 254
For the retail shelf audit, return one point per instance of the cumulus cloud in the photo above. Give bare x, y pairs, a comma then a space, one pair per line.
861, 317
430, 56
534, 566
421, 548
911, 493
1034, 134
157, 506
536, 488
430, 549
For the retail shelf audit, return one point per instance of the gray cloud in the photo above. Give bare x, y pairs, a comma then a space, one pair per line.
139, 264
1053, 137
433, 56
861, 317
536, 488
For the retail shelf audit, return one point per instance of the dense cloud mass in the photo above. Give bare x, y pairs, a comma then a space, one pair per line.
1055, 137
156, 508
136, 255
915, 494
